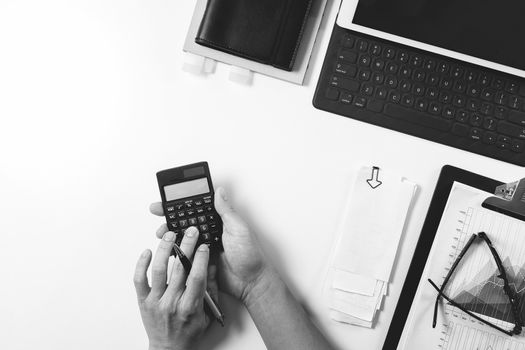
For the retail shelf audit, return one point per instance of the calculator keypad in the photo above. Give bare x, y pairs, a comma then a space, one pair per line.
197, 212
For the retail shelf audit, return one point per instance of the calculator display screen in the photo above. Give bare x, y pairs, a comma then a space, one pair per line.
490, 30
186, 189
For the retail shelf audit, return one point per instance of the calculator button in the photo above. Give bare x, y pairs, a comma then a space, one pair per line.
209, 208
200, 210
202, 219
183, 223
213, 227
198, 203
172, 216
181, 214
206, 237
211, 217
179, 206
170, 209
189, 204
190, 212
204, 228
192, 221
207, 200
174, 224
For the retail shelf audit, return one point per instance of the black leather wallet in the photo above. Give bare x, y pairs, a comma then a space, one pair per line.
265, 31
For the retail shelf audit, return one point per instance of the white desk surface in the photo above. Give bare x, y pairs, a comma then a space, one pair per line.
93, 102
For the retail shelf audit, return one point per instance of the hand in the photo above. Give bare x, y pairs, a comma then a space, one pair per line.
173, 314
242, 271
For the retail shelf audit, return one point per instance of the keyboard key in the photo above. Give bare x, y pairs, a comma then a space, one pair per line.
416, 61
332, 94
415, 117
443, 68
511, 130
347, 55
367, 89
518, 146
421, 105
475, 119
360, 102
488, 94
471, 76
192, 221
501, 98
459, 86
365, 60
473, 105
390, 53
346, 69
515, 102
392, 68
204, 228
435, 108
405, 86
201, 219
445, 83
403, 57
375, 106
419, 90
170, 208
173, 225
486, 108
343, 83
512, 87
449, 112
183, 223
476, 134
500, 112
504, 142
473, 91
445, 97
394, 97
490, 138
490, 124
348, 42
457, 72
484, 80
378, 78
459, 101
181, 214
462, 116
365, 75
362, 46
498, 84
517, 117
378, 64
381, 93
172, 216
405, 72
419, 75
407, 100
432, 93
460, 130
375, 50
346, 98
433, 79
391, 81
430, 64
198, 203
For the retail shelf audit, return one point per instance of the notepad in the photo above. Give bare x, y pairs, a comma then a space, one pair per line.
371, 228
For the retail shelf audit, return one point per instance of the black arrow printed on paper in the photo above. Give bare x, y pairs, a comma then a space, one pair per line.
374, 180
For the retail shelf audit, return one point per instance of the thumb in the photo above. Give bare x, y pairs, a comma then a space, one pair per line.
222, 205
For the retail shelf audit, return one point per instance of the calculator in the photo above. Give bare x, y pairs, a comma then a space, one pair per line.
188, 200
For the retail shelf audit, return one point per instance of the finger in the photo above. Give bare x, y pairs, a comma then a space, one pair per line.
211, 283
196, 283
156, 209
178, 274
162, 230
228, 215
160, 264
140, 278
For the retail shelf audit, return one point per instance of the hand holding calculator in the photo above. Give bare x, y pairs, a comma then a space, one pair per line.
187, 199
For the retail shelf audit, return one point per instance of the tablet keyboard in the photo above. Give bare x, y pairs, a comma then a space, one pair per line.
424, 94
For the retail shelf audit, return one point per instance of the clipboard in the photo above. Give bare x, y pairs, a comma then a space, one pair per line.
509, 199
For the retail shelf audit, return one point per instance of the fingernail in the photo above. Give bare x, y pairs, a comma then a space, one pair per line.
223, 194
169, 236
191, 232
203, 248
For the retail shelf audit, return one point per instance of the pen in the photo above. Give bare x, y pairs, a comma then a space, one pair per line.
214, 308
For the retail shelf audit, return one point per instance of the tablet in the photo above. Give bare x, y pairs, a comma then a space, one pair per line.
449, 175
485, 33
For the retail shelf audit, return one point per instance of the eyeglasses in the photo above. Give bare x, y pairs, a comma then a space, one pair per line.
511, 294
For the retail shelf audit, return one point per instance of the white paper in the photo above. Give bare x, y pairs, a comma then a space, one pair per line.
350, 282
373, 226
462, 217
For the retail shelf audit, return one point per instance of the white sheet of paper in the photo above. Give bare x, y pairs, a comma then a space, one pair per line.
344, 318
373, 225
350, 282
